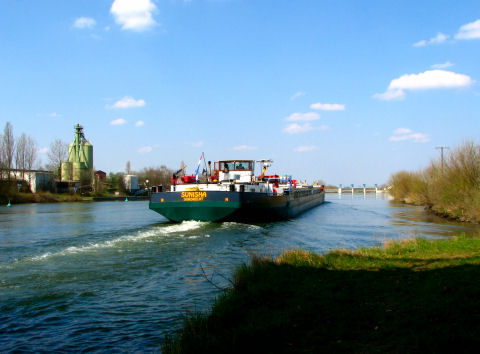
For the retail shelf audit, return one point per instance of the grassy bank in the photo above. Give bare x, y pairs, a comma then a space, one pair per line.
410, 296
18, 192
450, 188
42, 197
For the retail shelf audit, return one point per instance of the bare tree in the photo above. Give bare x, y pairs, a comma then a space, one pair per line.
57, 154
30, 153
2, 157
156, 176
8, 148
20, 154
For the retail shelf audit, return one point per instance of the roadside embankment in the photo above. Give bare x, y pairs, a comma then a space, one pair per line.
408, 296
450, 188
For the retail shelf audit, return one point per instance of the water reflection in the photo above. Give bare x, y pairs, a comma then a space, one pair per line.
405, 220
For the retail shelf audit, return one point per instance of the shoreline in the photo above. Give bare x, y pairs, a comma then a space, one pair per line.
444, 215
450, 188
42, 198
414, 295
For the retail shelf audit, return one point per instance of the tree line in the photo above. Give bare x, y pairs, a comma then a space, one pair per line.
21, 153
147, 177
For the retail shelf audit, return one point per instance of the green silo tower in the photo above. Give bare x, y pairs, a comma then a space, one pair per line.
79, 166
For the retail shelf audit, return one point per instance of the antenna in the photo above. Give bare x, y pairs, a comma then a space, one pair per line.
266, 162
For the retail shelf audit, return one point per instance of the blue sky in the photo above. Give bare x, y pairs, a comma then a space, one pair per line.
344, 91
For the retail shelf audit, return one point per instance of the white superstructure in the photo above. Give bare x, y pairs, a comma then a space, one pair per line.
238, 176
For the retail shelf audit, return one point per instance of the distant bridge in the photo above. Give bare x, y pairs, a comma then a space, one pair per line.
356, 189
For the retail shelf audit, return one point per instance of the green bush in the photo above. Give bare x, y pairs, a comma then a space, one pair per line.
451, 188
409, 187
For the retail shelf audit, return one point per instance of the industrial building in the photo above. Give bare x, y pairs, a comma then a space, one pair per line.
36, 179
131, 183
79, 166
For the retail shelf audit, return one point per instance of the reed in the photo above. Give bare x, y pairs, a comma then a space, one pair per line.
450, 188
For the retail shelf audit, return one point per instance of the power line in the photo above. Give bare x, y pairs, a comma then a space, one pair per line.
441, 148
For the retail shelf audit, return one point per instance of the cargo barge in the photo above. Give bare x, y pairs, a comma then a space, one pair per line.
233, 193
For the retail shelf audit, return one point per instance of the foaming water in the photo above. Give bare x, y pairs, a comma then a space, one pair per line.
138, 236
118, 277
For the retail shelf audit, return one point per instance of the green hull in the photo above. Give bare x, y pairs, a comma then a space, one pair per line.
233, 206
199, 211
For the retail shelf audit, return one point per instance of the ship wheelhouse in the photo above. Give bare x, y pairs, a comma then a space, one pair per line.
240, 171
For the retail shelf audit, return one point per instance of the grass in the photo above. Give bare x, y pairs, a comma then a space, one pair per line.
41, 197
9, 191
409, 296
450, 189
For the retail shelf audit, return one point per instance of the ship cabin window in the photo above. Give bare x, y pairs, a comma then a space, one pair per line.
242, 165
227, 166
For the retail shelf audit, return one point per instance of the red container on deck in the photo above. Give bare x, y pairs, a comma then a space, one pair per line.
189, 179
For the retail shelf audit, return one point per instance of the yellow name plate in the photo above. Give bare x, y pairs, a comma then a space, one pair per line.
193, 196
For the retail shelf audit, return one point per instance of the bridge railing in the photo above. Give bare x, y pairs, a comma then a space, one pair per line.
356, 189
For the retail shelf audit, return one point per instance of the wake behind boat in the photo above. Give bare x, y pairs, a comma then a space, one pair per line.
233, 193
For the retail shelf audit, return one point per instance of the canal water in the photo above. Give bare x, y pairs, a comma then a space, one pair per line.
115, 276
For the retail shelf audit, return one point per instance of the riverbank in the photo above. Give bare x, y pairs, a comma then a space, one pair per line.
42, 197
47, 197
449, 187
409, 296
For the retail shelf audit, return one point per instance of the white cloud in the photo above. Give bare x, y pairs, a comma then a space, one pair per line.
309, 116
421, 43
404, 134
127, 102
390, 95
439, 38
55, 115
328, 106
442, 65
305, 148
145, 149
428, 80
197, 144
139, 123
244, 147
134, 14
296, 128
84, 22
469, 31
42, 150
119, 121
431, 79
297, 95
401, 131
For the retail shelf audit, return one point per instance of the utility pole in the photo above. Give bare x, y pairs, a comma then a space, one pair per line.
441, 148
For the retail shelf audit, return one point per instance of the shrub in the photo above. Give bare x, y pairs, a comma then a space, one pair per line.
450, 188
409, 187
